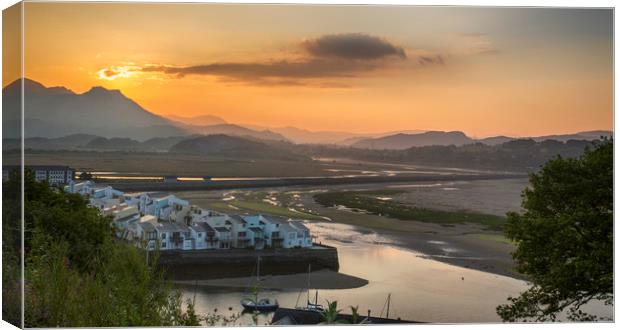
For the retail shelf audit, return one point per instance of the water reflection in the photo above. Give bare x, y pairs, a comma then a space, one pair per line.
422, 289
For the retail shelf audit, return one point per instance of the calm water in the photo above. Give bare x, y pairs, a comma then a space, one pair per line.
422, 289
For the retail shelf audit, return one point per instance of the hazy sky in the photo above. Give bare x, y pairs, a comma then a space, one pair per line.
363, 69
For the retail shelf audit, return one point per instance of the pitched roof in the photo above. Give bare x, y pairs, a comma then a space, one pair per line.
127, 218
202, 226
274, 219
298, 225
237, 218
147, 226
171, 226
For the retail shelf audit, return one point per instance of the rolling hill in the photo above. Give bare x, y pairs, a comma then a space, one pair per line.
406, 141
220, 145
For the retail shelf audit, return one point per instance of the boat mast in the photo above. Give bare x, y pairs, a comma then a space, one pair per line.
387, 314
308, 287
258, 268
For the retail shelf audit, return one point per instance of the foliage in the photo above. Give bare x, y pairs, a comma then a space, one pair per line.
75, 274
565, 238
355, 316
368, 202
330, 314
518, 155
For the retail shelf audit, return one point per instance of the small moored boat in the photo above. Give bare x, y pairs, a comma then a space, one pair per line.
255, 304
263, 305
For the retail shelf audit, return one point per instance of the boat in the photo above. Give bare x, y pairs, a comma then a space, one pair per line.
312, 307
263, 305
256, 304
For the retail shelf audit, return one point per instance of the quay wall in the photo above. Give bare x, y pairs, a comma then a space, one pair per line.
208, 264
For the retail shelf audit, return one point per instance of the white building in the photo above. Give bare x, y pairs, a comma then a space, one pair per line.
55, 175
174, 236
124, 218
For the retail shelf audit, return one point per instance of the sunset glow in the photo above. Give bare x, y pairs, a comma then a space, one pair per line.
360, 69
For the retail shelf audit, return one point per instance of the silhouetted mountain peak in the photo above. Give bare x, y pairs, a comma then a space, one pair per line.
34, 87
100, 90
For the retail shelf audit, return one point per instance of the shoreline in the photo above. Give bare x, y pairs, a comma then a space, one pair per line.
463, 250
319, 280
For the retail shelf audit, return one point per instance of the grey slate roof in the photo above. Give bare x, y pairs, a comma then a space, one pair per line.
147, 226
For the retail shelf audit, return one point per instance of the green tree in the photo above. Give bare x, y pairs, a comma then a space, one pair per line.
75, 274
564, 238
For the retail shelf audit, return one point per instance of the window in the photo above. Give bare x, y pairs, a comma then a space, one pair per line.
163, 244
199, 235
163, 235
242, 234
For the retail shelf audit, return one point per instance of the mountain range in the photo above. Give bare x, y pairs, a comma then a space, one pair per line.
56, 117
54, 112
457, 138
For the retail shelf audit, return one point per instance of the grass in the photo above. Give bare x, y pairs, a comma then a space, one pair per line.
265, 208
494, 238
367, 201
158, 164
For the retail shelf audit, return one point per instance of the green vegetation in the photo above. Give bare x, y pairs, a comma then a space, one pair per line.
75, 274
368, 201
565, 238
493, 237
330, 314
266, 208
160, 164
517, 155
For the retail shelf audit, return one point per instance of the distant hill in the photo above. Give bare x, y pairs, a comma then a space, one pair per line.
57, 111
495, 140
205, 120
162, 144
236, 130
113, 143
299, 135
234, 147
587, 136
520, 155
405, 141
53, 112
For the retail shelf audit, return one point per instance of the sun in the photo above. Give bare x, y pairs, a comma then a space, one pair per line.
114, 72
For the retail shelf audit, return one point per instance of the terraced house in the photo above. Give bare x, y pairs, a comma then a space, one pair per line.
155, 220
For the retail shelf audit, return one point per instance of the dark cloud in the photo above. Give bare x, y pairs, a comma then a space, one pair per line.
329, 58
352, 46
430, 60
281, 69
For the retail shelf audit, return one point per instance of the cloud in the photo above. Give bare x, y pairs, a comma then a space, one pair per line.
314, 68
430, 60
327, 62
352, 46
478, 44
113, 72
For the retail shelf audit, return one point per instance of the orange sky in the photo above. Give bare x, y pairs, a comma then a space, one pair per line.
361, 69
